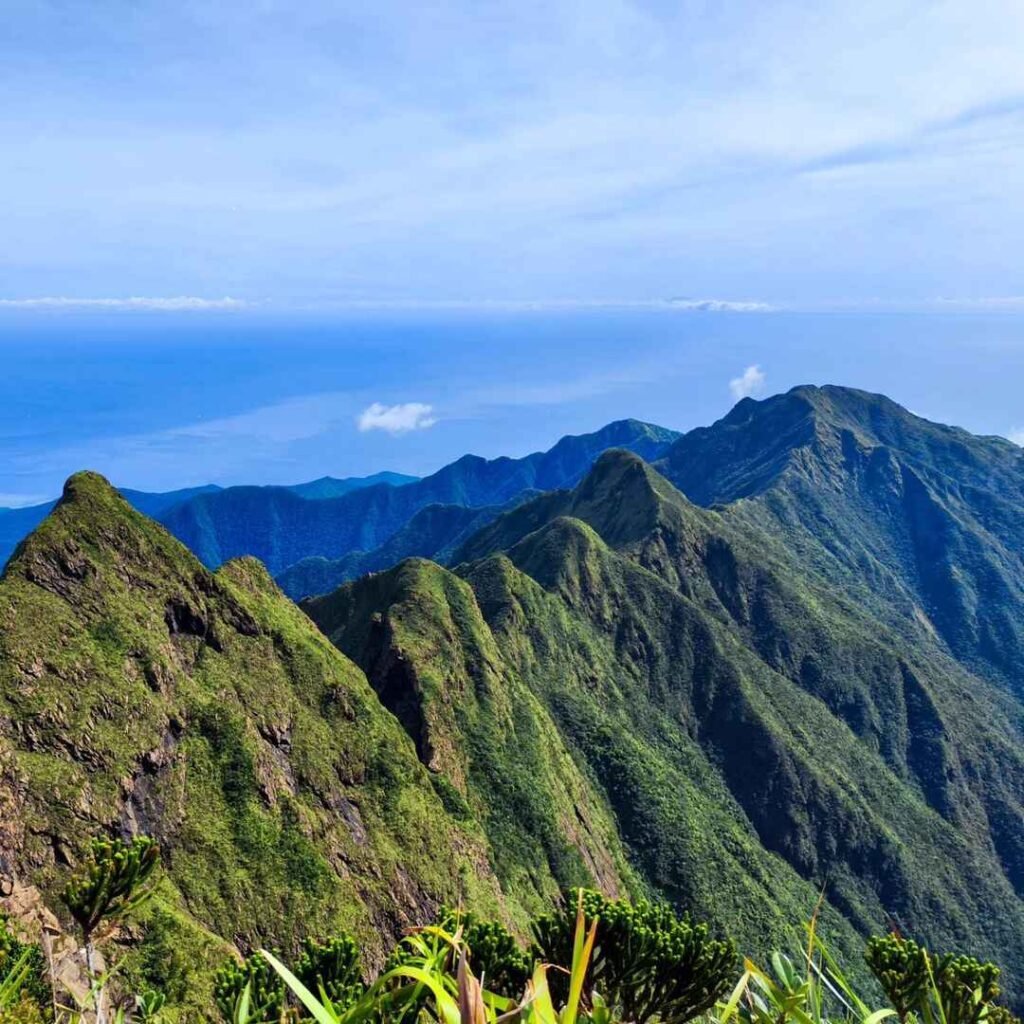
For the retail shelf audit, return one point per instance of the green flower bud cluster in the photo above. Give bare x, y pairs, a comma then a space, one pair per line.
113, 880
966, 987
332, 969
494, 954
915, 980
902, 969
647, 962
266, 990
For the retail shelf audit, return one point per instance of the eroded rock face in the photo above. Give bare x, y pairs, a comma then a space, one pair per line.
32, 920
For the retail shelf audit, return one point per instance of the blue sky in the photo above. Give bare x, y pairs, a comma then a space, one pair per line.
171, 399
262, 241
808, 155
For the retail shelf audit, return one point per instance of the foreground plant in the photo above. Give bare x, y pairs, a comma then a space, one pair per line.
938, 989
594, 960
113, 883
430, 978
249, 992
538, 1007
816, 993
420, 984
647, 962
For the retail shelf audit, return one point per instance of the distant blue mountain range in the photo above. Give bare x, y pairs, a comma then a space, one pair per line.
18, 523
318, 534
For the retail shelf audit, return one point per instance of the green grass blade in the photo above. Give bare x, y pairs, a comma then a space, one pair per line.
320, 1013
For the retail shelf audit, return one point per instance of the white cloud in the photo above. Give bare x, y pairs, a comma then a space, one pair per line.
635, 154
170, 304
750, 382
721, 306
397, 419
541, 305
1017, 436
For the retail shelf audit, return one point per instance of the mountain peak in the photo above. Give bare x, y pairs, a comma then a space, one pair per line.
88, 485
825, 433
622, 499
94, 541
619, 482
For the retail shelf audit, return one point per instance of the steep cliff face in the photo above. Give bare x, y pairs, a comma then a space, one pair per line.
418, 632
141, 692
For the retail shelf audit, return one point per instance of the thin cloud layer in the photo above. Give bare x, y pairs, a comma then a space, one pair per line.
175, 304
748, 384
538, 150
396, 419
721, 306
996, 303
1017, 436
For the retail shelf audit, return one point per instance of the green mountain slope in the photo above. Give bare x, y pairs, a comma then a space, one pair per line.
783, 662
141, 692
280, 528
756, 735
924, 523
434, 532
434, 662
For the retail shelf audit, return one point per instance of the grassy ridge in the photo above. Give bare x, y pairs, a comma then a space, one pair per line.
755, 735
138, 691
808, 690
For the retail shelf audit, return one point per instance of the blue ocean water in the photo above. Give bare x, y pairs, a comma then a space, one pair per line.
159, 401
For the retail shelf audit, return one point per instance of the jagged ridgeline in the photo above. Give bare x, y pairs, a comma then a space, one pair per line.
754, 729
802, 680
141, 692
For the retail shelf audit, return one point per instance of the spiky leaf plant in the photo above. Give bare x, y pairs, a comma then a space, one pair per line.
113, 882
149, 1006
647, 962
22, 971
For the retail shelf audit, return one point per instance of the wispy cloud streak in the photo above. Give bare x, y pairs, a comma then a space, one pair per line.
174, 304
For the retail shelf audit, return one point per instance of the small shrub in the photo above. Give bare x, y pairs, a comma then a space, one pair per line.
902, 969
24, 1011
26, 960
502, 965
956, 989
965, 988
113, 882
